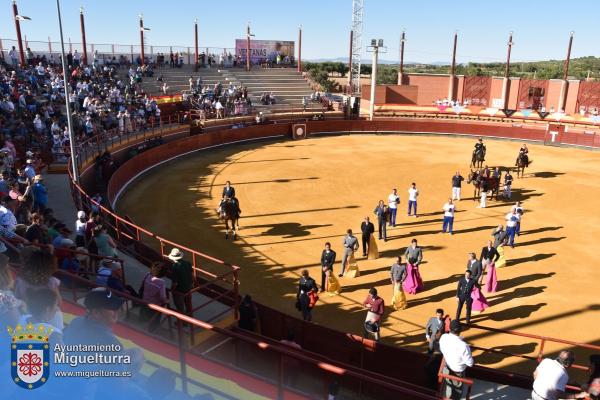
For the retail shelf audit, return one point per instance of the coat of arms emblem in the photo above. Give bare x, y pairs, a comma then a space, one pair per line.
30, 355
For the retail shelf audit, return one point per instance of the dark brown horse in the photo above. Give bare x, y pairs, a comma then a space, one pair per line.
230, 211
523, 162
482, 182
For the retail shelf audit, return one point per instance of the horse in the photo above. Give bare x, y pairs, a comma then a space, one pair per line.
522, 163
230, 211
481, 182
478, 157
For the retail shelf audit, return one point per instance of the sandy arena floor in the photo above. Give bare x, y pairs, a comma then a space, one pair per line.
295, 196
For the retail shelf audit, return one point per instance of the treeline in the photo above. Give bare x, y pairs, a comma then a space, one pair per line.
579, 68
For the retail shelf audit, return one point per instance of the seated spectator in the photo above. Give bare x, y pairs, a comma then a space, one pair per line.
42, 307
37, 233
37, 267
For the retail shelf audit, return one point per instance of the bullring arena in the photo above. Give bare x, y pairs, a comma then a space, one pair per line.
296, 195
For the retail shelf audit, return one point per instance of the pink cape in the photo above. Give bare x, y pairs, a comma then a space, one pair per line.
413, 283
491, 280
479, 301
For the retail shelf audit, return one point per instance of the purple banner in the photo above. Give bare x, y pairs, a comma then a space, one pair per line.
266, 51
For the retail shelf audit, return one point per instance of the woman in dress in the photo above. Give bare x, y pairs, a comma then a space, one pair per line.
413, 283
479, 301
105, 244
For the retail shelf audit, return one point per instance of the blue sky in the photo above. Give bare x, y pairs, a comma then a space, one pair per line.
541, 29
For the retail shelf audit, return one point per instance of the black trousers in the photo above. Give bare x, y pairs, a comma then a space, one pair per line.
461, 302
324, 277
381, 226
365, 243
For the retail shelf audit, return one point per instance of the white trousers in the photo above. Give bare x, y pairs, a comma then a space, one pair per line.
482, 204
455, 193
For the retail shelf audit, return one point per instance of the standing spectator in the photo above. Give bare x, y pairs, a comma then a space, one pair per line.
512, 219
457, 355
413, 193
154, 291
95, 327
448, 223
393, 201
306, 295
29, 170
350, 246
14, 57
463, 295
398, 275
381, 211
40, 194
376, 308
248, 314
508, 180
367, 228
436, 326
551, 378
327, 261
519, 208
105, 244
80, 223
182, 281
456, 185
414, 253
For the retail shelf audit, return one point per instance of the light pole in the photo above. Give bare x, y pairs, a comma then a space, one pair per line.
375, 47
453, 69
401, 67
142, 30
18, 19
248, 36
75, 170
564, 89
196, 43
506, 80
82, 23
300, 48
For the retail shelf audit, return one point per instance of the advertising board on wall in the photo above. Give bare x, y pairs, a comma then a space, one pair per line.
266, 51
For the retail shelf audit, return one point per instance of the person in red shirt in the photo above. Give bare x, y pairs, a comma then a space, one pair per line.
376, 307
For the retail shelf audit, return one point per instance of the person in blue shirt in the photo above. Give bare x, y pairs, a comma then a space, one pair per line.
40, 194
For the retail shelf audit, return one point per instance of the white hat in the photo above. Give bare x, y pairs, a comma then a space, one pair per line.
67, 243
80, 214
175, 255
29, 161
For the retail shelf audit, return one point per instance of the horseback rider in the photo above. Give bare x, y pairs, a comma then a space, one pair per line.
479, 147
523, 155
228, 192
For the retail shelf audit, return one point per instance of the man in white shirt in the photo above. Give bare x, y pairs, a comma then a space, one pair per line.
457, 355
512, 219
413, 193
393, 201
551, 378
14, 57
449, 208
519, 210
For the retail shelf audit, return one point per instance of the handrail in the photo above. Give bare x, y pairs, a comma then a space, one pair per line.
266, 344
442, 376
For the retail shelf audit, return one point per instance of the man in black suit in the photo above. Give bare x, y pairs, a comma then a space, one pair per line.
327, 261
228, 191
367, 228
489, 255
474, 266
463, 295
436, 326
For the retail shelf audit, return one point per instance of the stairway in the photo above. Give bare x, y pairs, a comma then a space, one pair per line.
287, 85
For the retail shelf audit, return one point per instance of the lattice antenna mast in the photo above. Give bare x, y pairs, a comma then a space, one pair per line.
358, 8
